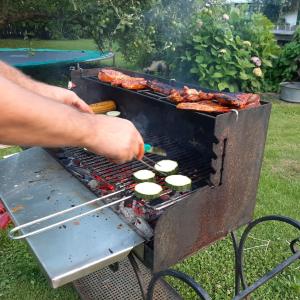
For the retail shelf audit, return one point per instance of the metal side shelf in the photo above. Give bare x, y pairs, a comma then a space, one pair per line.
34, 185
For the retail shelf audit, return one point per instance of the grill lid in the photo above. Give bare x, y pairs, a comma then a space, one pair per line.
33, 185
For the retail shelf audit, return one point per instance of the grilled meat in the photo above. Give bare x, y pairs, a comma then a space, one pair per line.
236, 101
176, 96
134, 83
203, 106
117, 78
160, 87
109, 75
189, 95
206, 96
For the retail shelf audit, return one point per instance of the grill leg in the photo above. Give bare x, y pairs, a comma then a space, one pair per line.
138, 274
181, 276
238, 246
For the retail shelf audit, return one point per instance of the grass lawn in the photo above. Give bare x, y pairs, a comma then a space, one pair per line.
279, 193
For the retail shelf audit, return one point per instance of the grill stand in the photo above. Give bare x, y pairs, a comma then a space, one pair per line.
130, 282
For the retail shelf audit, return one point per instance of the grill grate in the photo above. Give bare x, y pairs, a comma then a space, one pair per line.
190, 161
104, 177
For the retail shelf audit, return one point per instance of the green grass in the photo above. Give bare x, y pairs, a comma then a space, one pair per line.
278, 193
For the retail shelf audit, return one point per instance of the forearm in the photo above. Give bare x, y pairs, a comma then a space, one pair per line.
26, 82
29, 119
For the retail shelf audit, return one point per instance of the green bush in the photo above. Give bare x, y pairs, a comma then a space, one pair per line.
230, 50
287, 67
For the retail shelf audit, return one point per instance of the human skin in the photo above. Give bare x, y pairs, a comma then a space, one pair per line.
30, 118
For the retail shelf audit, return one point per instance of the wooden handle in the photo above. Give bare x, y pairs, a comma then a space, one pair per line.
103, 106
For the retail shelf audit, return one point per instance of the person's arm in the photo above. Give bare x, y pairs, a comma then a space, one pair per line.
53, 92
30, 119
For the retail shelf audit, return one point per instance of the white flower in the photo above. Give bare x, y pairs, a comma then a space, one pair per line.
247, 43
225, 17
199, 24
223, 51
256, 60
257, 72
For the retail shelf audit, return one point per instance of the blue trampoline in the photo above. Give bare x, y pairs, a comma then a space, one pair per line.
26, 57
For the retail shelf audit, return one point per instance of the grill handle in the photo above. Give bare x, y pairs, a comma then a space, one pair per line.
12, 233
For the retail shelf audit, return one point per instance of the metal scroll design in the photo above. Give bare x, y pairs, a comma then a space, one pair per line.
181, 276
242, 290
240, 278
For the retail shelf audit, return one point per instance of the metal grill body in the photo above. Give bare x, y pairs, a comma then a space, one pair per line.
230, 148
222, 153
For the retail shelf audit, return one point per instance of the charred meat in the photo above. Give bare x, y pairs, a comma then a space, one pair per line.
117, 78
134, 83
160, 87
238, 100
189, 95
204, 106
108, 75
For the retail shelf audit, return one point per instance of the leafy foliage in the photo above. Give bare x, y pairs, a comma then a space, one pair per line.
287, 68
222, 44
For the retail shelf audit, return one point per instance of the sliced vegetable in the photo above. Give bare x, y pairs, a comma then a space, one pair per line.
113, 113
167, 166
148, 190
144, 176
179, 183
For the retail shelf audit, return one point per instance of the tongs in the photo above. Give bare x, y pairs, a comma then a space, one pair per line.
12, 232
151, 167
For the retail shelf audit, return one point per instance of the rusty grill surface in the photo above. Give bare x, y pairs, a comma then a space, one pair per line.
103, 177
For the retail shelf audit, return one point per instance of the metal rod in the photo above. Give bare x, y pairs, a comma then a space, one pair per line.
16, 229
142, 161
279, 268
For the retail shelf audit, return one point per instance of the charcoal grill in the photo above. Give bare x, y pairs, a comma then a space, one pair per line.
213, 149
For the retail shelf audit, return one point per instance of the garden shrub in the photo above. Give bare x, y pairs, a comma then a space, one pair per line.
287, 67
231, 50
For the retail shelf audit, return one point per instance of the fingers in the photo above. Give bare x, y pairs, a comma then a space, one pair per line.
81, 105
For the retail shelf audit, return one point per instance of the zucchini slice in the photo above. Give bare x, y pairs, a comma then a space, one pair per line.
113, 113
167, 166
147, 190
144, 176
179, 183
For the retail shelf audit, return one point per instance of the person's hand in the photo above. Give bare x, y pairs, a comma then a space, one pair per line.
115, 138
69, 97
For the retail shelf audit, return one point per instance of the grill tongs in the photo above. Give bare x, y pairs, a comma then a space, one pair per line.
12, 233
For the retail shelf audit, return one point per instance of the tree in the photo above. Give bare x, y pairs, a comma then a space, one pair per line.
274, 9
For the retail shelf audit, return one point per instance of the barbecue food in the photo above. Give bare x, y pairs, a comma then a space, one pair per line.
204, 106
147, 190
117, 78
179, 183
103, 107
144, 176
133, 83
160, 87
176, 96
113, 113
236, 101
166, 166
109, 75
189, 95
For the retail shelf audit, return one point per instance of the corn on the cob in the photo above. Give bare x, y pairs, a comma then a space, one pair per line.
103, 107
